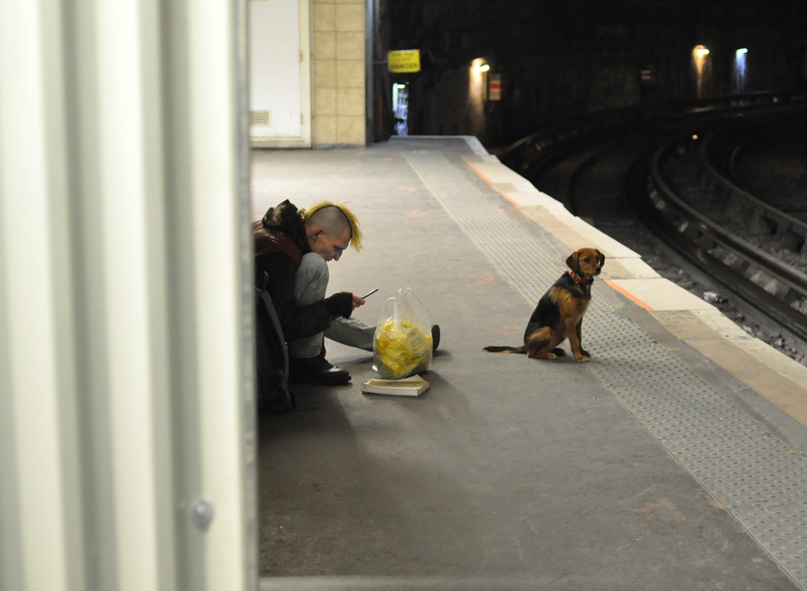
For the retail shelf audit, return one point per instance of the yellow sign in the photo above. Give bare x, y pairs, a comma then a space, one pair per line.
404, 62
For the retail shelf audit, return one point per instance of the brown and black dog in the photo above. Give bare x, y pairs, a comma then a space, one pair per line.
559, 314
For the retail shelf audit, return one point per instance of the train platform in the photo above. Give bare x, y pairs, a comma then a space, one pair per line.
672, 460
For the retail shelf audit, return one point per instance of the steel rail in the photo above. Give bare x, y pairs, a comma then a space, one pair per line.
740, 205
542, 147
744, 269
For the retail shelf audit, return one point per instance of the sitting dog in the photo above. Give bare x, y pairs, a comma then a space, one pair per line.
559, 314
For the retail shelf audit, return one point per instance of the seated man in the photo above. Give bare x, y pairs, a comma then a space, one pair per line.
293, 249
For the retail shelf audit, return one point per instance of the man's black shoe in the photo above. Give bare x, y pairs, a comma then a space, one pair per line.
316, 370
435, 337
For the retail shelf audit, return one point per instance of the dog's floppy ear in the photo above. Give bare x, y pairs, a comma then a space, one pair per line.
573, 262
601, 258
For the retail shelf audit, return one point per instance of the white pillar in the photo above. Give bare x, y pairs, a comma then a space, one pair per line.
126, 397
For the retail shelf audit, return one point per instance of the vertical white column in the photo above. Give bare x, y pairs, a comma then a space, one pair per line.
125, 299
127, 81
38, 476
214, 128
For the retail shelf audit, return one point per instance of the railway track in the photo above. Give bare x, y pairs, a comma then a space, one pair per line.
777, 158
688, 203
675, 178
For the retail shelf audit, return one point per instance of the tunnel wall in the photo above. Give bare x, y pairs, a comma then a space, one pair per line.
560, 63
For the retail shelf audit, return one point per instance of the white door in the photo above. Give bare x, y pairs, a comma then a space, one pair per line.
280, 73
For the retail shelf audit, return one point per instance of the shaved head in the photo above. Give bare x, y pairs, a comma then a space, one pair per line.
332, 220
330, 229
329, 233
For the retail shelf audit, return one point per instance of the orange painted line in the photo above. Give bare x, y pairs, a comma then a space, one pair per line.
629, 295
479, 173
510, 199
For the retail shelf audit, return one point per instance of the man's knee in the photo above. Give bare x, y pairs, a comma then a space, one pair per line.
312, 276
314, 266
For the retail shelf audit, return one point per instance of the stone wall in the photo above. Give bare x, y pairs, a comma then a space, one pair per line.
339, 73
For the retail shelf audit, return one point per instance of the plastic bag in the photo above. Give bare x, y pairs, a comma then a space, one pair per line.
402, 345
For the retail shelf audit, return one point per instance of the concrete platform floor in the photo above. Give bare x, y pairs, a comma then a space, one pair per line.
509, 473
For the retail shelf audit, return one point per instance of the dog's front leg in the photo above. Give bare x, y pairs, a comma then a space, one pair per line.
574, 341
579, 331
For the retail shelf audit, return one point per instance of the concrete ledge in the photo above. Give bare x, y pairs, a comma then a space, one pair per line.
659, 294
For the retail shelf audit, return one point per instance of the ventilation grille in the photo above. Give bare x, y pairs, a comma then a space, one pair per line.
260, 118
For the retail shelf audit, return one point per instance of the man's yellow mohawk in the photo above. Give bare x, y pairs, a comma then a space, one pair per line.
353, 221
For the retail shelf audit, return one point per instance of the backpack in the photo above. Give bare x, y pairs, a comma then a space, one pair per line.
271, 356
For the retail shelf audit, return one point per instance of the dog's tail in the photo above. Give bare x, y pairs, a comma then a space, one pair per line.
493, 349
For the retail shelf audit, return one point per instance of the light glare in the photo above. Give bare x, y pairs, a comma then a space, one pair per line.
739, 69
699, 53
484, 68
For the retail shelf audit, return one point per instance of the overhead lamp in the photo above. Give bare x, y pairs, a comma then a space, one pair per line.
702, 51
742, 50
484, 67
402, 86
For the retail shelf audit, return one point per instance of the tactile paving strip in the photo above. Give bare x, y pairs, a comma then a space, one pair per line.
496, 235
755, 474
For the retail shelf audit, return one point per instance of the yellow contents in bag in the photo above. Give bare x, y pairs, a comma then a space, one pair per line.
402, 349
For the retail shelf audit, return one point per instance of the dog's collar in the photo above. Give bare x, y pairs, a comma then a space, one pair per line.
577, 279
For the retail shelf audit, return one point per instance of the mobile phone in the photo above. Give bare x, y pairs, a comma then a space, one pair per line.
367, 295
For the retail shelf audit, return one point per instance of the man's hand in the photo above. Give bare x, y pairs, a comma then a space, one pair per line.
357, 301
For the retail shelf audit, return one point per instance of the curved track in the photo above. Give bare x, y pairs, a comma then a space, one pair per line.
777, 159
736, 241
